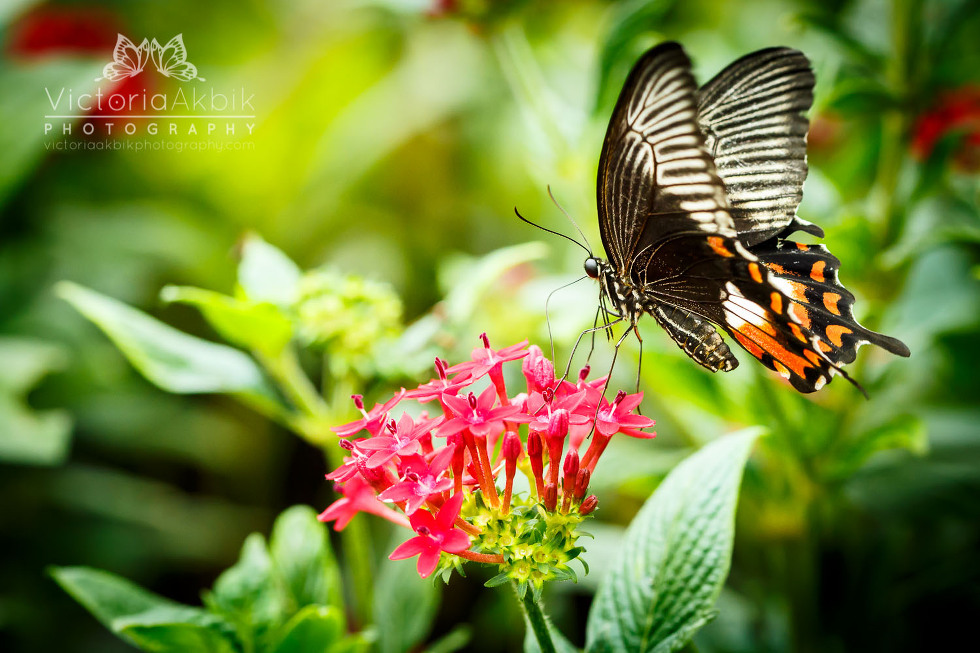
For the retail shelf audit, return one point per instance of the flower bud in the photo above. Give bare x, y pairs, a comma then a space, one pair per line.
558, 424
582, 482
589, 504
550, 497
538, 370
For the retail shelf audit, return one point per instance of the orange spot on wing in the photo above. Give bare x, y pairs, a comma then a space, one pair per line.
824, 347
776, 303
782, 369
781, 355
755, 272
798, 291
802, 246
775, 267
817, 272
800, 313
830, 300
835, 331
813, 357
717, 243
797, 332
750, 346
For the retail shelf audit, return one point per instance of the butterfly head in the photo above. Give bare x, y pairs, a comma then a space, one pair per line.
592, 267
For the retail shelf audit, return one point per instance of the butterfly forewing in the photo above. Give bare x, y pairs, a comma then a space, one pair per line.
655, 177
751, 114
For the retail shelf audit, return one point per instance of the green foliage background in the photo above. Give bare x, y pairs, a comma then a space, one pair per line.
394, 144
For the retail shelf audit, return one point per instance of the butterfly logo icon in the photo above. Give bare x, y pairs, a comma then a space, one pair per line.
129, 59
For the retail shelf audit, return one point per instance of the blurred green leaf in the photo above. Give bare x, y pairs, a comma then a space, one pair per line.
11, 8
301, 553
676, 555
258, 326
266, 274
248, 594
147, 620
466, 279
169, 358
631, 21
456, 640
902, 432
405, 606
28, 436
24, 104
314, 629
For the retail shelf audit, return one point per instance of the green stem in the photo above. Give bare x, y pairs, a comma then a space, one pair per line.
538, 622
358, 554
313, 420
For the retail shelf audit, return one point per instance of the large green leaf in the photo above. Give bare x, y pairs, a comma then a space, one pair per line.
26, 435
676, 555
143, 618
405, 606
266, 274
314, 629
301, 553
248, 594
169, 358
260, 326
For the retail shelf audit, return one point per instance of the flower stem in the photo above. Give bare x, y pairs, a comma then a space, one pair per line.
491, 558
538, 622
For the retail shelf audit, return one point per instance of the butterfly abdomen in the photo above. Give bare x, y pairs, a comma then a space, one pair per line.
696, 336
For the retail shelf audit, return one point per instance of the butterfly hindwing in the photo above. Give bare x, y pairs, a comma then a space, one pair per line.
808, 276
751, 114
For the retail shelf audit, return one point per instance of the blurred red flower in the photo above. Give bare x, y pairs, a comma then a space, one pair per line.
956, 113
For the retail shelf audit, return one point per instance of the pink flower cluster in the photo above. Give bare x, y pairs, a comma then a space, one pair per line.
418, 471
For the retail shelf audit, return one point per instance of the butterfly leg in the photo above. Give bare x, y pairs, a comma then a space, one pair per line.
639, 363
609, 375
579, 340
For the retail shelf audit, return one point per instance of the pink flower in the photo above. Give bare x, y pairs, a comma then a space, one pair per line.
618, 417
372, 421
421, 480
478, 414
538, 370
435, 388
486, 359
399, 440
358, 497
435, 535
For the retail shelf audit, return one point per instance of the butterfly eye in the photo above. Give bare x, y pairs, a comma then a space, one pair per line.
592, 267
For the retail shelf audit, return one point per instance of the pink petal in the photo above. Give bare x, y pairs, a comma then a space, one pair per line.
456, 541
412, 547
428, 561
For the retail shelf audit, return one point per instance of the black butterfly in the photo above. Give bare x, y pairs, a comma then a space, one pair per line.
697, 196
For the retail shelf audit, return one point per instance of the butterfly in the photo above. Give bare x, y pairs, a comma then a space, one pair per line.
128, 60
697, 197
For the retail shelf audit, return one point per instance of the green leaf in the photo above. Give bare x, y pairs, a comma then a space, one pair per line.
248, 593
266, 274
314, 629
260, 326
456, 639
169, 358
301, 552
24, 104
901, 432
28, 436
143, 618
405, 606
631, 21
675, 557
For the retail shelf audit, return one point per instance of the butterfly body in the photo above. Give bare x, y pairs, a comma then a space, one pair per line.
697, 196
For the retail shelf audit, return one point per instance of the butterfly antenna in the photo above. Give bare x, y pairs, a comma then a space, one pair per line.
547, 314
523, 219
574, 224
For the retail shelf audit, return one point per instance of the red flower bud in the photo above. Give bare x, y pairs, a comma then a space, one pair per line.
582, 482
588, 505
550, 497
